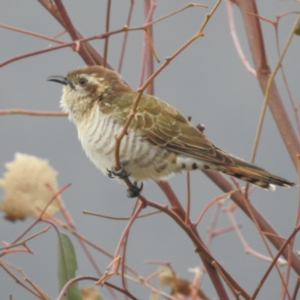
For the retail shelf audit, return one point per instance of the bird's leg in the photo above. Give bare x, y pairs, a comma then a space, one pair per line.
134, 191
121, 173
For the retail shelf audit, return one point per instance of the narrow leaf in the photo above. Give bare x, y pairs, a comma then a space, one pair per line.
67, 267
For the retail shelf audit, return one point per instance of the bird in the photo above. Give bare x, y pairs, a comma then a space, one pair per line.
159, 142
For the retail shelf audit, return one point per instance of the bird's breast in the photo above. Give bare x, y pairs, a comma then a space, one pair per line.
142, 160
97, 135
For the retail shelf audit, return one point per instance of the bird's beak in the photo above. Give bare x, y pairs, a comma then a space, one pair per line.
59, 79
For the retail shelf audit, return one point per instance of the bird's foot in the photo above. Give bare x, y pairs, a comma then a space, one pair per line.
121, 173
134, 191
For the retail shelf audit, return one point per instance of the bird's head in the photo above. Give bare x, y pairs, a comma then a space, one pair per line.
85, 87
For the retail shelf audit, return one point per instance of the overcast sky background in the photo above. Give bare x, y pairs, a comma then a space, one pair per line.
207, 81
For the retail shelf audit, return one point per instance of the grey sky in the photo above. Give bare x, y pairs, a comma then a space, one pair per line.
207, 81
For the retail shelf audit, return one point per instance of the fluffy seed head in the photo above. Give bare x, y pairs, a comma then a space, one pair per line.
27, 185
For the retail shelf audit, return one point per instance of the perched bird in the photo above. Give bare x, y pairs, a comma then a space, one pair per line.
160, 140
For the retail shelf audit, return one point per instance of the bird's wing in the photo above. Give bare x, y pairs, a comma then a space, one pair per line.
164, 126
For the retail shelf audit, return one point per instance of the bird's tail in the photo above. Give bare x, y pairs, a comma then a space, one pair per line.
255, 175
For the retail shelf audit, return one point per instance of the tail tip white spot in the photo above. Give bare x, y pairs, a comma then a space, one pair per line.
272, 187
286, 185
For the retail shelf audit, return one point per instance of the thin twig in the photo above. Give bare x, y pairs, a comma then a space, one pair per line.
125, 36
128, 226
220, 198
274, 262
265, 226
42, 296
25, 240
247, 248
81, 278
188, 197
77, 42
73, 32
32, 113
106, 30
296, 289
268, 88
235, 38
252, 214
42, 213
201, 250
121, 218
48, 38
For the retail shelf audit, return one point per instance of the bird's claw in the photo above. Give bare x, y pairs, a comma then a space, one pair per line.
110, 174
134, 191
121, 173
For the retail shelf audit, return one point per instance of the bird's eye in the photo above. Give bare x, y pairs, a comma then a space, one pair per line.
82, 81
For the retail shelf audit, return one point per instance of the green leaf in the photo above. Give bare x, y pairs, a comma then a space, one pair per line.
67, 267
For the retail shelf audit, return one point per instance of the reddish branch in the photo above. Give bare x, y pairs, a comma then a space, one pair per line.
41, 214
178, 214
91, 50
278, 111
106, 30
125, 36
254, 34
73, 33
81, 278
224, 185
256, 43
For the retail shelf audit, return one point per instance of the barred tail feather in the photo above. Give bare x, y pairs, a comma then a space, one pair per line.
256, 176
